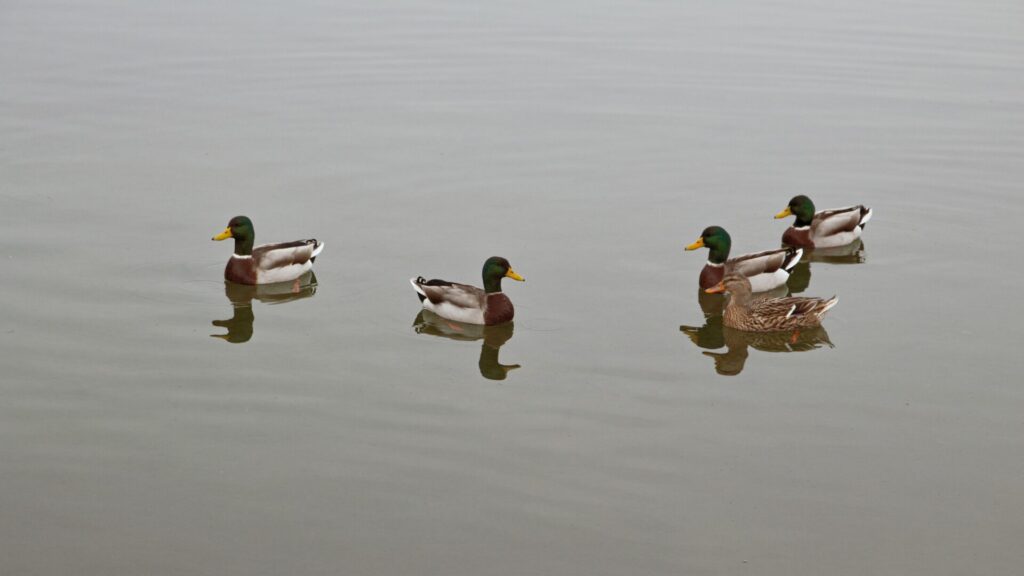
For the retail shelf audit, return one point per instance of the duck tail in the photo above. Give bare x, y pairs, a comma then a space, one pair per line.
792, 258
318, 247
416, 286
828, 306
865, 216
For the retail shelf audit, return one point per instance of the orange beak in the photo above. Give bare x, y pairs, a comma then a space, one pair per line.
716, 289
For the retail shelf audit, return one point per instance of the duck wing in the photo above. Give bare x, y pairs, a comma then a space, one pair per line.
829, 222
453, 293
271, 256
791, 307
768, 261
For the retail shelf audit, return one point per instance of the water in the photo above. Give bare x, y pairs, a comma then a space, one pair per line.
338, 431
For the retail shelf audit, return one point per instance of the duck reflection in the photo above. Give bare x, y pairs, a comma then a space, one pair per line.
494, 337
800, 276
239, 326
714, 335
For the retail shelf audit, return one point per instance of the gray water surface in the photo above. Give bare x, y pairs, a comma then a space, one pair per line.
338, 431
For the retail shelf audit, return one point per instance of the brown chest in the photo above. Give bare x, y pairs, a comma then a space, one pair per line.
711, 275
240, 270
736, 317
798, 237
499, 309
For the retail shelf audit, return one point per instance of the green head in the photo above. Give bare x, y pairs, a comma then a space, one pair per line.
239, 228
801, 207
715, 239
496, 268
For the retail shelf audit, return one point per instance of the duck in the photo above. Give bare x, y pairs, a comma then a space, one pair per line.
267, 263
469, 304
768, 314
766, 270
825, 229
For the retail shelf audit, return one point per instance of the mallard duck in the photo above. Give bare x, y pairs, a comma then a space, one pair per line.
770, 314
267, 263
825, 229
469, 304
765, 270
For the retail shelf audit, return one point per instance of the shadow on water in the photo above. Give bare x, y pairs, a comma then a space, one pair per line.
800, 277
494, 337
239, 326
714, 335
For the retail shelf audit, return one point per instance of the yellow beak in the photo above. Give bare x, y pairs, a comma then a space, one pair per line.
223, 235
716, 289
512, 274
698, 244
785, 212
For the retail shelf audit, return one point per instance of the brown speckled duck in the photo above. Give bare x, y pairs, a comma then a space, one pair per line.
766, 270
825, 229
469, 304
770, 314
267, 263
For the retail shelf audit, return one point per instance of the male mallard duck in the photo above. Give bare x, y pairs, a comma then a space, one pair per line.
765, 270
267, 263
770, 314
469, 304
826, 229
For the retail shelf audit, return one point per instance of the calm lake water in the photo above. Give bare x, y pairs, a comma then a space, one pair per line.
338, 431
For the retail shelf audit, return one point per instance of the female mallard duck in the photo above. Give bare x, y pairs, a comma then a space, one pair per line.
826, 229
765, 270
767, 315
469, 304
267, 263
